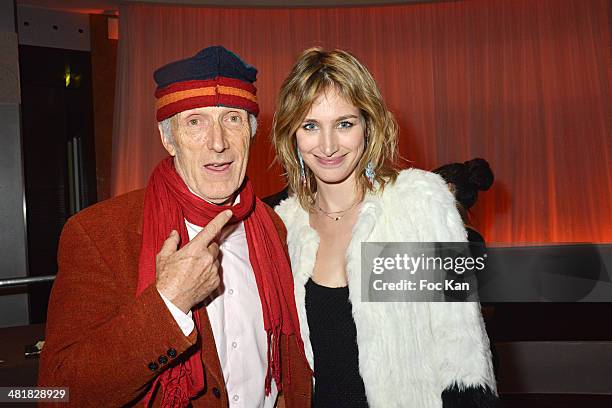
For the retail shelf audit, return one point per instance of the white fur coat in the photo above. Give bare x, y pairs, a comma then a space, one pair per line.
409, 352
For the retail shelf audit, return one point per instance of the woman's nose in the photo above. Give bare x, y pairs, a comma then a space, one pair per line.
329, 142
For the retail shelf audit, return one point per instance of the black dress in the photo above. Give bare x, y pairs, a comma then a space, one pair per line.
334, 343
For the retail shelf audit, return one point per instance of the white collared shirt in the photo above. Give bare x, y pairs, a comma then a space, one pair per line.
236, 317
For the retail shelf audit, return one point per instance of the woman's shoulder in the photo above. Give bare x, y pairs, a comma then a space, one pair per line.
422, 198
418, 193
413, 181
289, 210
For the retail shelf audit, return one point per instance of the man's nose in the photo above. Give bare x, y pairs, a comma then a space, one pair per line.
217, 140
329, 142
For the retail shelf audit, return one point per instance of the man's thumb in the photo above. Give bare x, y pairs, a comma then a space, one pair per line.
170, 244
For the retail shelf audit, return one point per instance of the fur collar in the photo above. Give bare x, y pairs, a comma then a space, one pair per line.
409, 352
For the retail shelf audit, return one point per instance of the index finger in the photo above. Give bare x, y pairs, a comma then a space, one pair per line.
214, 227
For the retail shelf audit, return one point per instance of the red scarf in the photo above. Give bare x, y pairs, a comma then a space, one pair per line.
168, 203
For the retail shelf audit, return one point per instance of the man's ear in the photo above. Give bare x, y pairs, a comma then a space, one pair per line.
167, 145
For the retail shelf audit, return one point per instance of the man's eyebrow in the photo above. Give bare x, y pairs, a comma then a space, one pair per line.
191, 114
236, 111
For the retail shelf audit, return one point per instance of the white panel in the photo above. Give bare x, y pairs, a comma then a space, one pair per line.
52, 28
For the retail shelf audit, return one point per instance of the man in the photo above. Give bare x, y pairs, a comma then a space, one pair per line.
181, 294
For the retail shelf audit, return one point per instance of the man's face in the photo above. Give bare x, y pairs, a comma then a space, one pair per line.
210, 150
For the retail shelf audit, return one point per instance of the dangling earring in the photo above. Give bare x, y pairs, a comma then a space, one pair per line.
369, 172
302, 171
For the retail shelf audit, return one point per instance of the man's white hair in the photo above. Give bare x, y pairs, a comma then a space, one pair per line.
166, 127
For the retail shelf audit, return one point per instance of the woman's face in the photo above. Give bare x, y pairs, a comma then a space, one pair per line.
331, 138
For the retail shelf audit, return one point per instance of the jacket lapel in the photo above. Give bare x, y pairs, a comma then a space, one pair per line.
210, 359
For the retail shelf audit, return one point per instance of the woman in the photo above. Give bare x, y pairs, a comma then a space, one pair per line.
337, 142
465, 180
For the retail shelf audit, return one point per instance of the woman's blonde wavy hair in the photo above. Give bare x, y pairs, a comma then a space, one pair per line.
315, 71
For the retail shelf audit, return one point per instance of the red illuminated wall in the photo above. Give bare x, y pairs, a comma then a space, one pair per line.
522, 83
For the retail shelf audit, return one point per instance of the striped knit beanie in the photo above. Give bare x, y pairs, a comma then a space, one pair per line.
214, 76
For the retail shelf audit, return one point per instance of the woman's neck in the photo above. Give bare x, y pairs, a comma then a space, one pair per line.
338, 196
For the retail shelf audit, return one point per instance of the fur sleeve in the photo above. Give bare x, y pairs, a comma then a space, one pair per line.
442, 209
462, 350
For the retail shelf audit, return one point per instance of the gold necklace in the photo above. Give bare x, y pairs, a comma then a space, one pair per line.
329, 215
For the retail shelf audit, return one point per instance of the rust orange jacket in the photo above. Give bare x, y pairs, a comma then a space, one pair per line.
101, 339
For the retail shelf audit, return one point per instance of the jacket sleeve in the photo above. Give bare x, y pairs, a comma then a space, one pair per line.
103, 342
461, 342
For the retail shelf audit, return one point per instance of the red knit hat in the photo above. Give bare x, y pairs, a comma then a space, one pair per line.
214, 76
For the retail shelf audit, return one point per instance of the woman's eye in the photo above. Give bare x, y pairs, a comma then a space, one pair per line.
345, 124
309, 126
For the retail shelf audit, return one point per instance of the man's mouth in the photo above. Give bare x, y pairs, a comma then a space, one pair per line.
218, 168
